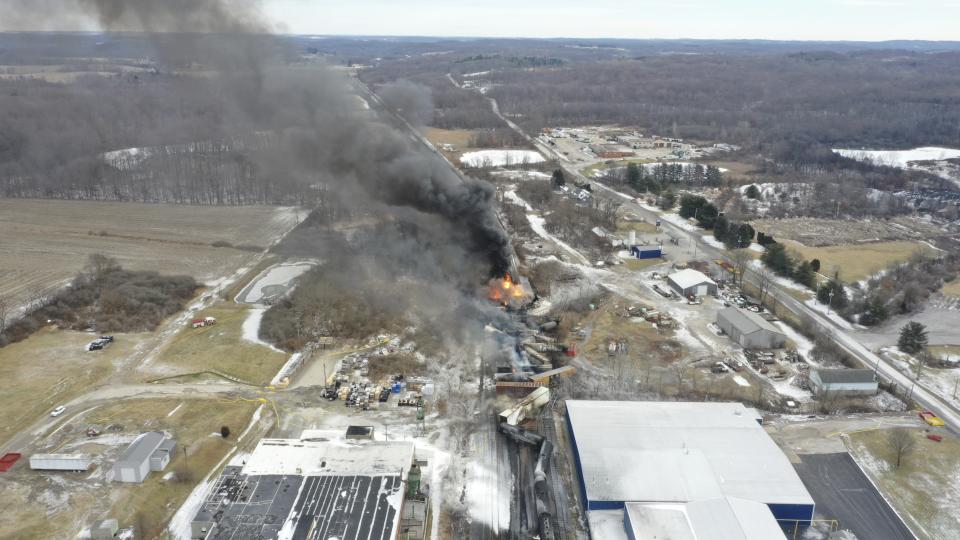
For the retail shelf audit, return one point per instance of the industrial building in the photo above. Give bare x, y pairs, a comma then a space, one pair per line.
749, 329
683, 470
647, 252
150, 451
843, 382
690, 282
313, 487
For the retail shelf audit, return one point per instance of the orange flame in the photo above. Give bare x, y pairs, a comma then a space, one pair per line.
505, 289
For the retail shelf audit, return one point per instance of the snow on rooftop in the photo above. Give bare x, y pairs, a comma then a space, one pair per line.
319, 458
725, 518
689, 278
607, 525
744, 460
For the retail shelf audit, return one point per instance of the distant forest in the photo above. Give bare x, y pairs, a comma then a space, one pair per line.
784, 103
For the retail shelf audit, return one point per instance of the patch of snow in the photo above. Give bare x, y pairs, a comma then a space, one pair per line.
831, 314
713, 242
607, 524
175, 409
804, 345
515, 199
251, 328
537, 224
757, 247
520, 174
899, 158
779, 280
675, 218
740, 380
500, 158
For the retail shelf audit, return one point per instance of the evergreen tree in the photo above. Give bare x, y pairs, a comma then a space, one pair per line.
803, 274
634, 177
558, 178
875, 314
707, 216
839, 294
745, 235
690, 205
666, 200
752, 192
720, 229
815, 265
913, 337
777, 259
714, 176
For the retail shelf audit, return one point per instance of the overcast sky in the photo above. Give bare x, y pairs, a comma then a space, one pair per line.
870, 20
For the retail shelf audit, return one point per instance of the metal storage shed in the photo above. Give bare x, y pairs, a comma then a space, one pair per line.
848, 382
691, 282
750, 330
136, 462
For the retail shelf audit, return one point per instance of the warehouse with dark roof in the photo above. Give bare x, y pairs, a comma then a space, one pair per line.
309, 489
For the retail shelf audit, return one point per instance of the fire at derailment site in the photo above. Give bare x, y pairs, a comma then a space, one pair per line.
273, 269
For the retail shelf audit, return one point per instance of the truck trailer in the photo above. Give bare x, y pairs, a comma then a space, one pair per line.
60, 462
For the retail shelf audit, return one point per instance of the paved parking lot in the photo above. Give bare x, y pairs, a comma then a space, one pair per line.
842, 492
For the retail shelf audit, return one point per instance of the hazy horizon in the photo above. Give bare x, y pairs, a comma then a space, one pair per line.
811, 20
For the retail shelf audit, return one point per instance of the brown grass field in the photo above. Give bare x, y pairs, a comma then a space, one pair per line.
220, 347
952, 288
46, 242
51, 367
857, 261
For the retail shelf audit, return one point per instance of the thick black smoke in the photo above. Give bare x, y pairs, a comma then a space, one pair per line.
319, 134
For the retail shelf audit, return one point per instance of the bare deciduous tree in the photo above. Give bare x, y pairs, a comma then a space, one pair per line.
901, 442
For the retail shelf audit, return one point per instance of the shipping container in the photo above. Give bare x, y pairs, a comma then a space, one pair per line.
60, 462
9, 460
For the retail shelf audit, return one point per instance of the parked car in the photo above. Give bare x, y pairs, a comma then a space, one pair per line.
58, 411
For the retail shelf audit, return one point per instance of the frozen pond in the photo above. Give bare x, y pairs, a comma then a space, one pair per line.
273, 282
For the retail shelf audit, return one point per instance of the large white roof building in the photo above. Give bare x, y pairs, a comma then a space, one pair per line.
660, 461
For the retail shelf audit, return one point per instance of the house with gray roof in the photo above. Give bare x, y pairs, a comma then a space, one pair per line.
749, 329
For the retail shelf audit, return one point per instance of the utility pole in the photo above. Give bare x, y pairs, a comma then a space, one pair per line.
955, 388
830, 303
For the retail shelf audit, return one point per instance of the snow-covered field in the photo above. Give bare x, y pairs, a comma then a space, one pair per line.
935, 159
900, 158
500, 158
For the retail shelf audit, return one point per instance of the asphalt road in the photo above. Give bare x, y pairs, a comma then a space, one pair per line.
842, 492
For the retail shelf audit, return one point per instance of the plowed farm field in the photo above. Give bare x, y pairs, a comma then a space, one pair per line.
44, 243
